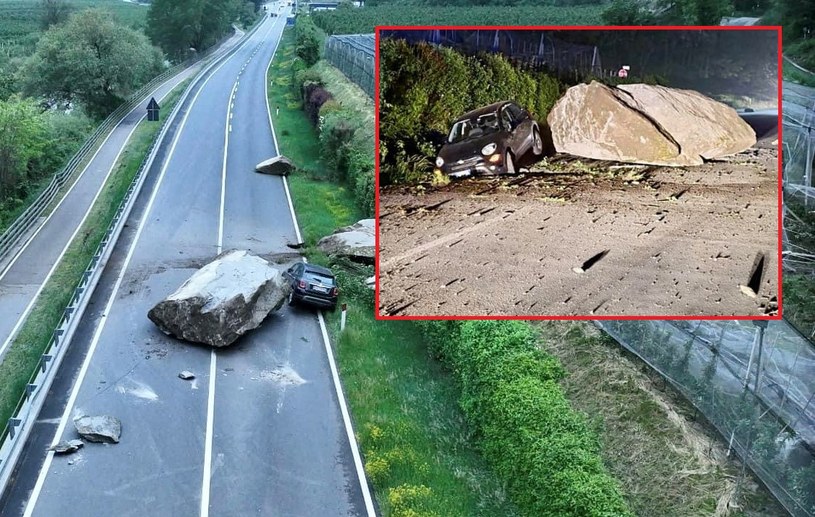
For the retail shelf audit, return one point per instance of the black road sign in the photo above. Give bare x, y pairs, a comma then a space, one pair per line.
152, 110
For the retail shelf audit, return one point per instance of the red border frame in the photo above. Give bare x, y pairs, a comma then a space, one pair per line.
776, 28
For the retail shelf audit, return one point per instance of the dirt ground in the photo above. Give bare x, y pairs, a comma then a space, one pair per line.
585, 238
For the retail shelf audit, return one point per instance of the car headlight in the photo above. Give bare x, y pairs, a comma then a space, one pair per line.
439, 161
488, 149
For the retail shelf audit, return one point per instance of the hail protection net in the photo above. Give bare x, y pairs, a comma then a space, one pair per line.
754, 385
353, 55
799, 195
536, 49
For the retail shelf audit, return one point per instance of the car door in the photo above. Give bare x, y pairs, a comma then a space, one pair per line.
514, 139
523, 128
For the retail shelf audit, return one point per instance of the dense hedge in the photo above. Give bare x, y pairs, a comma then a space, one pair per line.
307, 40
525, 426
346, 137
423, 88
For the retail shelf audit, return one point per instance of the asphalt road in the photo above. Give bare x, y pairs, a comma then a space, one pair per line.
24, 271
260, 430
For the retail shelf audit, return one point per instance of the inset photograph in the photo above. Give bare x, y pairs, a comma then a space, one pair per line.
578, 173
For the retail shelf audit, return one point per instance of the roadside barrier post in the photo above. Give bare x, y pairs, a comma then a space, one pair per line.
342, 317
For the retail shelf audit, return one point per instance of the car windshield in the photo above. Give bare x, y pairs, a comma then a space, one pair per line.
318, 278
473, 128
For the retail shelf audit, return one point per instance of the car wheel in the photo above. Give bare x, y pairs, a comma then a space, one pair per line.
537, 143
509, 163
291, 297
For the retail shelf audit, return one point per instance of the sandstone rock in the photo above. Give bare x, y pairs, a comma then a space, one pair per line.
279, 166
357, 242
99, 429
223, 300
66, 447
640, 123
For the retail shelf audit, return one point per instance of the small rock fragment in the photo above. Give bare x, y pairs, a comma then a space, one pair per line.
66, 447
747, 290
186, 375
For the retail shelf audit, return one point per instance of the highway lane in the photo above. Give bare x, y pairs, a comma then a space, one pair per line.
26, 269
276, 442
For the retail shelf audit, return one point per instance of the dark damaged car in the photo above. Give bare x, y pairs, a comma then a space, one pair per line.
489, 140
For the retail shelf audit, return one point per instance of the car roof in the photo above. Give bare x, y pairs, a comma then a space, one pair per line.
313, 268
482, 111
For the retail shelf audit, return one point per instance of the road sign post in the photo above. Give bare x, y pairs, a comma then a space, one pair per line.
153, 110
342, 317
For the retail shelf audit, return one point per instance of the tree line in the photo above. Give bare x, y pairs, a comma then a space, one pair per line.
83, 65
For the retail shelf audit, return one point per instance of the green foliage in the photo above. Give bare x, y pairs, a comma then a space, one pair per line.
307, 40
54, 12
802, 52
346, 138
798, 18
363, 21
180, 25
544, 450
423, 88
628, 12
64, 135
22, 140
90, 59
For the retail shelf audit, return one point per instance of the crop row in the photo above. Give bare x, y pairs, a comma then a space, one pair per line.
364, 20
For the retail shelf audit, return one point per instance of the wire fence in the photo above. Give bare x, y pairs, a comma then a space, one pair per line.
753, 381
353, 55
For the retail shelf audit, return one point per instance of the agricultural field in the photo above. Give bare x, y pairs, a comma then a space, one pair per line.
20, 20
363, 21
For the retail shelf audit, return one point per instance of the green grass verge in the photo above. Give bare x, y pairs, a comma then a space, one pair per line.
23, 355
415, 443
648, 432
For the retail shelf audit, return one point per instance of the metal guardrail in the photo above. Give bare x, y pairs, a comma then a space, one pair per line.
28, 219
12, 437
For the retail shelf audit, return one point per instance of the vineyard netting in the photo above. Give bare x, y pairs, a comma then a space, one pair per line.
353, 55
536, 49
755, 385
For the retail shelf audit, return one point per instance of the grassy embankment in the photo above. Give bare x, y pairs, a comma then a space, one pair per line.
411, 432
668, 463
29, 344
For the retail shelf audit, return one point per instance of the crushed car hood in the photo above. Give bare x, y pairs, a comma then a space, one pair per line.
466, 149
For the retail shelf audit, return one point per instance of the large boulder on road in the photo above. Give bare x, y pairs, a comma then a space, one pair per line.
99, 429
639, 123
356, 242
223, 300
279, 166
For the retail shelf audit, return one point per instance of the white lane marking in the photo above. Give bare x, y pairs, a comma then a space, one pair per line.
349, 429
205, 488
209, 433
227, 130
274, 138
35, 493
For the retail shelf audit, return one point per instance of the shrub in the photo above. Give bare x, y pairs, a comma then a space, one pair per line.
543, 449
307, 41
424, 88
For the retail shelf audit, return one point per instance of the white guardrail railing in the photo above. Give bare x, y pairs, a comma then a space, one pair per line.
19, 425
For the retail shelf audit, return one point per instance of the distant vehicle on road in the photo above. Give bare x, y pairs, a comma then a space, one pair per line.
489, 140
313, 285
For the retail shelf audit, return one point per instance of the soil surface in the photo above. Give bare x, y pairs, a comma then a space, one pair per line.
585, 238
